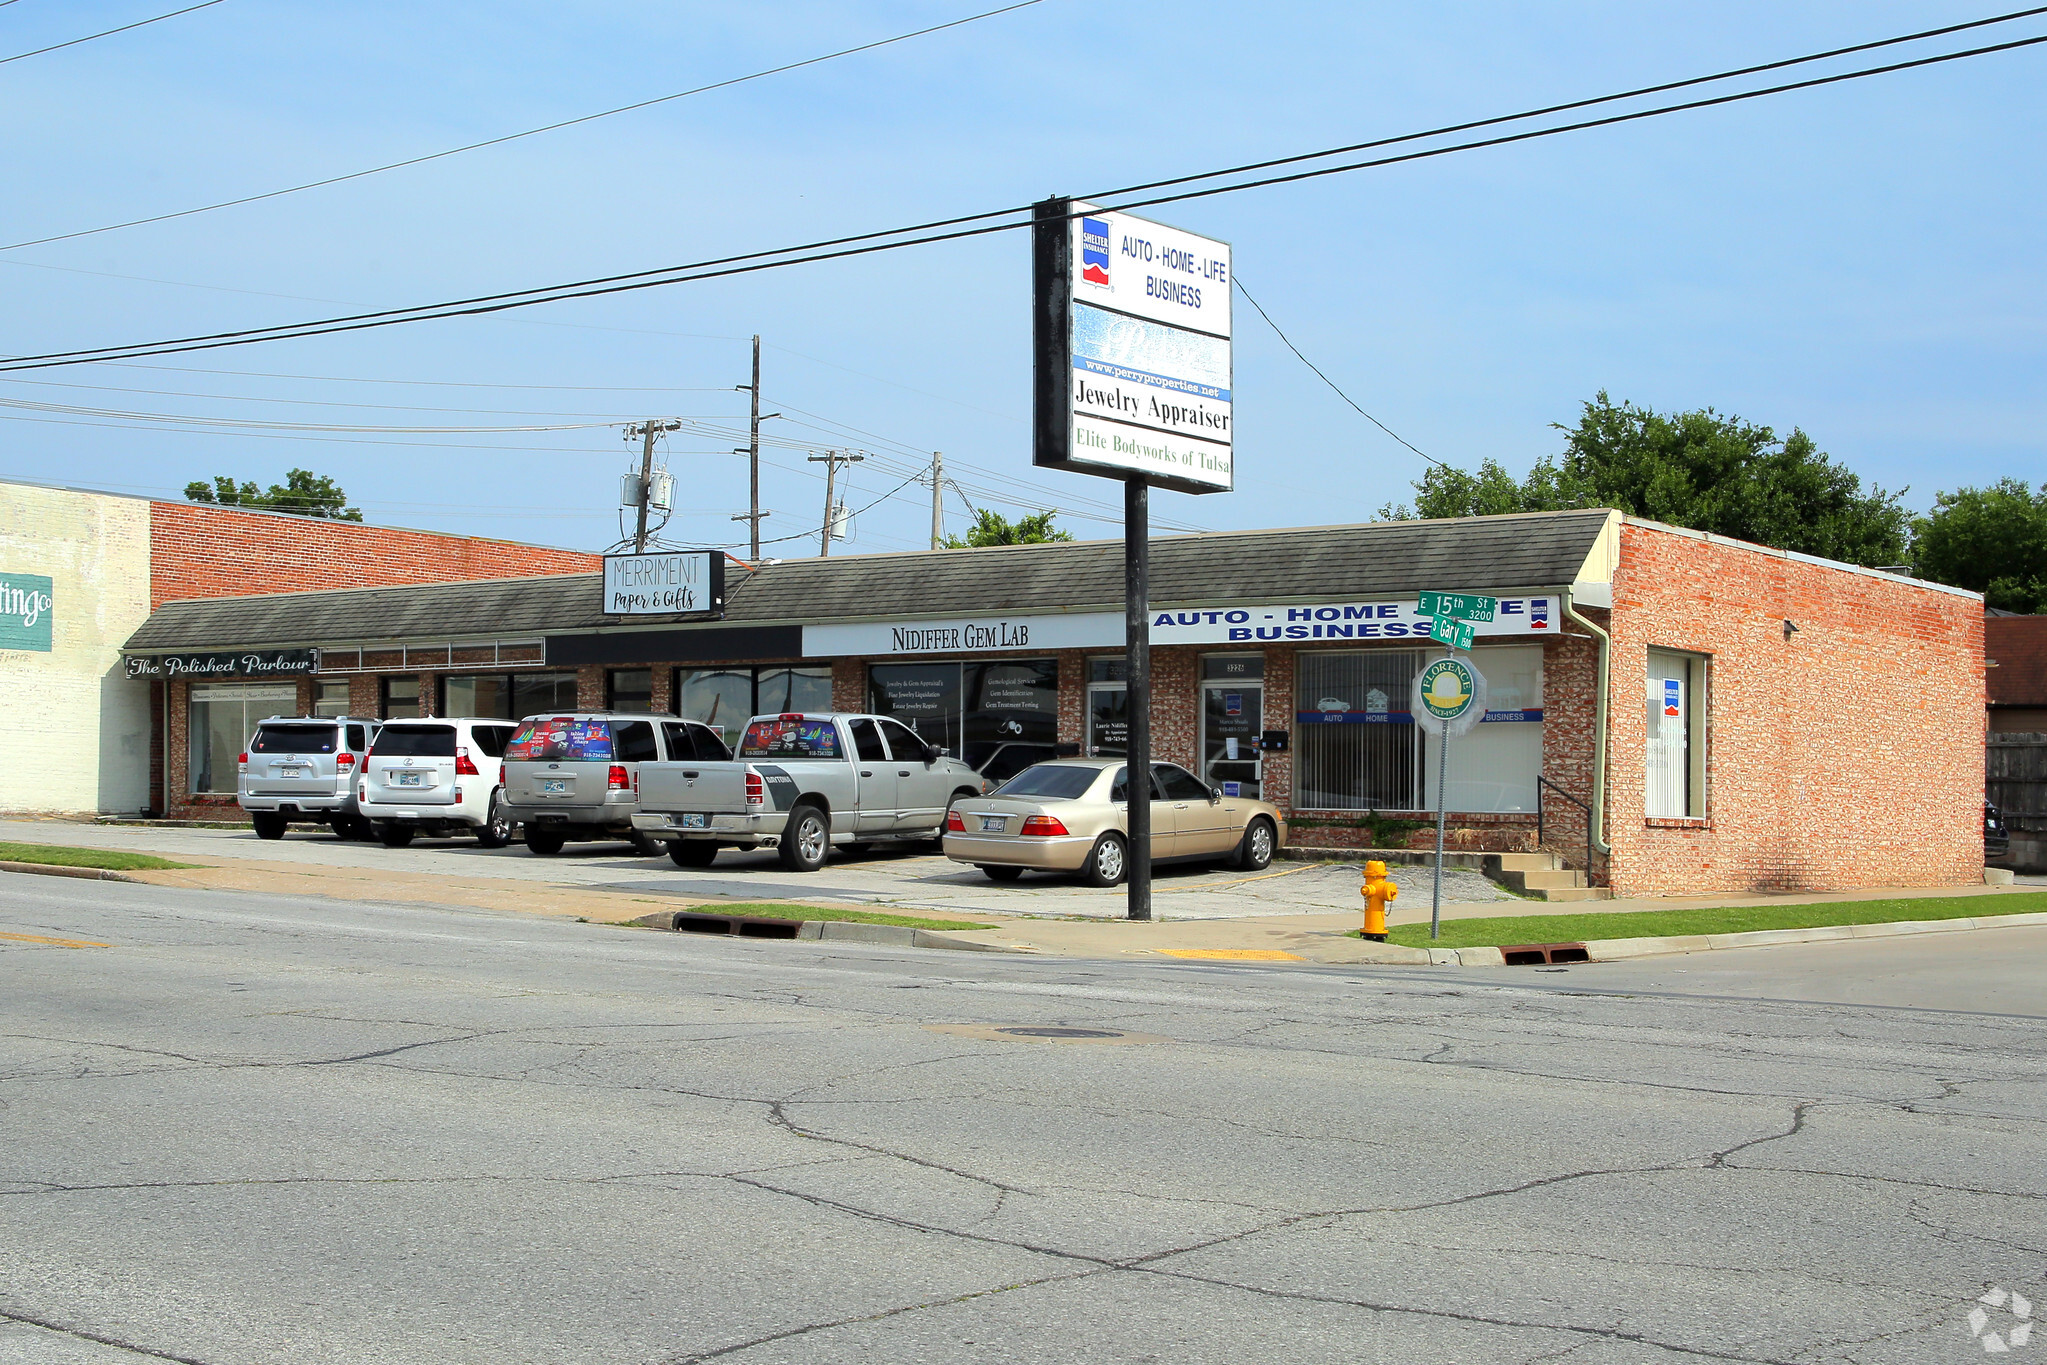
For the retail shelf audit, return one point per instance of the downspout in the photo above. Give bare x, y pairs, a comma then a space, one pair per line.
1601, 707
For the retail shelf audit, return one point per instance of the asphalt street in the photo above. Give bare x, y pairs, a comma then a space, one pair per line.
259, 1129
911, 875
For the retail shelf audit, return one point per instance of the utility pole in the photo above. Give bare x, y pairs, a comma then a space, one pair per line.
752, 451
831, 460
937, 495
646, 430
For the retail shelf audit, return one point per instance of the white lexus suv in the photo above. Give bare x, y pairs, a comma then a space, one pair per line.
437, 776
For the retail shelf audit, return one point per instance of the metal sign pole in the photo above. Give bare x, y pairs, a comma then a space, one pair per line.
1137, 685
1442, 806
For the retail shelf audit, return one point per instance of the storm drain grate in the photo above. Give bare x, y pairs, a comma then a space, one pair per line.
742, 925
1543, 954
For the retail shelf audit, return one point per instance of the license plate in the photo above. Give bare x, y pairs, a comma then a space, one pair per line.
991, 822
696, 822
411, 779
290, 773
554, 786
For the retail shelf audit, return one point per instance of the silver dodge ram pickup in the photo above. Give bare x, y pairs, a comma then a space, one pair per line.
801, 784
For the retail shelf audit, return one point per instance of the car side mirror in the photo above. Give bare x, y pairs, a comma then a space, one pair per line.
1215, 796
932, 753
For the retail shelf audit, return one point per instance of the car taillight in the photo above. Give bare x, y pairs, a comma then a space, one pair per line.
617, 779
756, 790
241, 763
1042, 825
362, 791
464, 765
344, 759
954, 823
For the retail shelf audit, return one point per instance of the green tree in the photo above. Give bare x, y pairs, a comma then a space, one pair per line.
992, 528
1695, 469
1989, 540
303, 493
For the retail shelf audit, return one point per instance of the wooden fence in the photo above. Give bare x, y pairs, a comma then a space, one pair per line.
2015, 779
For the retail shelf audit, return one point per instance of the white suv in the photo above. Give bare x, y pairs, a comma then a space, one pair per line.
437, 776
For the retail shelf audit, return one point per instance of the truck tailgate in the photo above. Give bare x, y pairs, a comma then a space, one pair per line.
673, 787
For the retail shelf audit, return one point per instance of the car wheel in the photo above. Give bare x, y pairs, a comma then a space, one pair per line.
806, 840
998, 873
269, 826
361, 827
645, 844
1107, 862
938, 835
691, 852
543, 842
1254, 851
396, 835
496, 830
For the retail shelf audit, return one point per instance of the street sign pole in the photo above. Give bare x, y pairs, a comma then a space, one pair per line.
1137, 690
1442, 808
1444, 712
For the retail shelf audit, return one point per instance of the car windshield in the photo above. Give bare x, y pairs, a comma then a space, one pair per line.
1051, 782
415, 741
561, 738
781, 737
293, 739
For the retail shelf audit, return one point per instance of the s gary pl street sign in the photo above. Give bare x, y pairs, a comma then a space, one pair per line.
1452, 632
1131, 342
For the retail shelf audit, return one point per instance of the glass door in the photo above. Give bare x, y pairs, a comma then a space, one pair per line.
1232, 719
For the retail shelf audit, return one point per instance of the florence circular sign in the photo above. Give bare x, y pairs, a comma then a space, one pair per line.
1449, 697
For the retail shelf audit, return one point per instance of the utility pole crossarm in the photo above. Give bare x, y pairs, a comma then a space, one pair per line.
831, 460
646, 431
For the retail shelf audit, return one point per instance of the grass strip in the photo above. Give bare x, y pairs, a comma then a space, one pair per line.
112, 860
805, 912
1735, 919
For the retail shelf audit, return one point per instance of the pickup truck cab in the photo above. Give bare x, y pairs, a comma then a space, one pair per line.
802, 783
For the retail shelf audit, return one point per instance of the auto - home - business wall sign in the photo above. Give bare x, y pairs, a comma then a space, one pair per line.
1133, 350
1228, 625
269, 663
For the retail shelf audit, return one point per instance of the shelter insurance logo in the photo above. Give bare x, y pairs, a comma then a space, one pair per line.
1094, 251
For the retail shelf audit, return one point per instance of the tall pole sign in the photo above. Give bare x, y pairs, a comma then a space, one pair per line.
1130, 338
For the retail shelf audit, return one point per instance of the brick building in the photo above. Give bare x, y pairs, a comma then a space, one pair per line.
81, 570
1729, 717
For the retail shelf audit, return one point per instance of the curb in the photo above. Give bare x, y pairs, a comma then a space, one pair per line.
1621, 949
91, 874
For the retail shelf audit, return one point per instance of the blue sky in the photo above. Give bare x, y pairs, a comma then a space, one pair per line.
1862, 261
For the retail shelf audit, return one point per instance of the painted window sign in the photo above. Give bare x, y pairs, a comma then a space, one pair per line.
1673, 697
26, 600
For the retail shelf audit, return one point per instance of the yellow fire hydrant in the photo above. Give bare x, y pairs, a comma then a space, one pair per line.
1379, 892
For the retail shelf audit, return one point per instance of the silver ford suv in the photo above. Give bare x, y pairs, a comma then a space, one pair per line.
305, 768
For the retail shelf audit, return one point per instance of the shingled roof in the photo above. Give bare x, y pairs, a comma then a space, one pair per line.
1382, 560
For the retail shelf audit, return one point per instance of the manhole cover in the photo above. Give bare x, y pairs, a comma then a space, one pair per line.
1045, 1033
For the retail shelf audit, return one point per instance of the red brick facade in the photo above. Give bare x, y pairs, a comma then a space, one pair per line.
198, 551
1846, 754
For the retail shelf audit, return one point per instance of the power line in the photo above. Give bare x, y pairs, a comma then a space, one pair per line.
1239, 279
868, 243
208, 4
72, 410
509, 137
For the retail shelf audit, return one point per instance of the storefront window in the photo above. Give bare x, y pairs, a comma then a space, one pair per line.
1357, 748
630, 689
726, 698
972, 710
507, 696
221, 718
1108, 707
330, 698
1675, 789
401, 698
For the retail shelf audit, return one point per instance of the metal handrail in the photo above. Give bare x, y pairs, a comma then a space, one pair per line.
1541, 783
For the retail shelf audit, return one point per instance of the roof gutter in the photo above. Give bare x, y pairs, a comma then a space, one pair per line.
1599, 724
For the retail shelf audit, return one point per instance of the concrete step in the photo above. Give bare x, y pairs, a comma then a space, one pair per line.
1578, 893
1547, 879
1523, 862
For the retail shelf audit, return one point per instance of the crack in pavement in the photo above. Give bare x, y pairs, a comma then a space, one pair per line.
97, 1338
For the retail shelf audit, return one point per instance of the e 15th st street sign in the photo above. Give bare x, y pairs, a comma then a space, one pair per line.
1462, 605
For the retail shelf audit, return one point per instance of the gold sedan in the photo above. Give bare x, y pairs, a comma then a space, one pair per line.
1069, 816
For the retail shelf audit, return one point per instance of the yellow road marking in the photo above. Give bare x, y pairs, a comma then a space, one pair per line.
56, 942
1235, 954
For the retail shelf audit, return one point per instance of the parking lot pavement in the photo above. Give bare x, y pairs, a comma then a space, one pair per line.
885, 878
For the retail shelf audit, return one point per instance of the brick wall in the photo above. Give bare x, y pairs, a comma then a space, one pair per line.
1849, 755
200, 551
